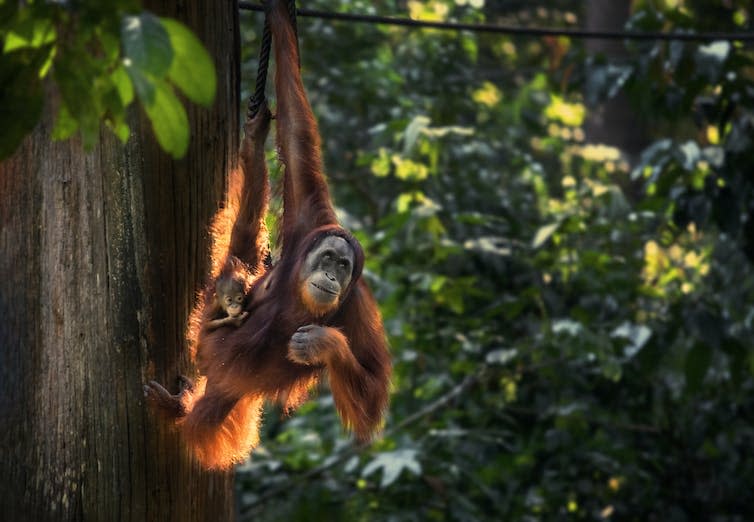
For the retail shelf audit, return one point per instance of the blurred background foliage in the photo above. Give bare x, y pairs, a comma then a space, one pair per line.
561, 237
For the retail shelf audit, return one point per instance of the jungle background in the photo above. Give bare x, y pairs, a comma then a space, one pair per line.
560, 233
561, 236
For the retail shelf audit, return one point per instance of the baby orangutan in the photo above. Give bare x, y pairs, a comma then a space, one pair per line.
230, 296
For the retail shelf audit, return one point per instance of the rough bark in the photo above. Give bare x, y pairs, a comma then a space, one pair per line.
100, 255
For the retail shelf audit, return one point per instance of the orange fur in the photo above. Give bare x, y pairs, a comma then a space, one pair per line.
230, 440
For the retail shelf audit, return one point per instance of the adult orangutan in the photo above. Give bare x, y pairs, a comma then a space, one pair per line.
311, 313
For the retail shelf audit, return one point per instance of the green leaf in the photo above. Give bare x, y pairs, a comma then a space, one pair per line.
121, 130
115, 109
567, 326
710, 58
65, 124
75, 74
697, 363
543, 234
392, 464
501, 356
636, 334
408, 170
690, 154
123, 84
381, 165
499, 246
110, 44
47, 63
169, 120
412, 132
146, 44
165, 111
142, 83
191, 69
32, 32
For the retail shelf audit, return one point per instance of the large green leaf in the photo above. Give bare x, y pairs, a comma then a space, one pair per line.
142, 83
123, 84
191, 69
169, 120
146, 44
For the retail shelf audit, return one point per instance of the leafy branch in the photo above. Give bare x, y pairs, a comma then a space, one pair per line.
100, 70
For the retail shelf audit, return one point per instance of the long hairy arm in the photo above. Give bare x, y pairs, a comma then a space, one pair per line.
250, 193
306, 198
360, 378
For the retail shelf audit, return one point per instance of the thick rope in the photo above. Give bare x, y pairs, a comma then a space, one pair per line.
256, 99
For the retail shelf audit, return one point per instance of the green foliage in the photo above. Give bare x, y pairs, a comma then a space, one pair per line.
98, 57
570, 326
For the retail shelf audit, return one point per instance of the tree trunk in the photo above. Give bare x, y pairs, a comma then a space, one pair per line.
101, 253
614, 122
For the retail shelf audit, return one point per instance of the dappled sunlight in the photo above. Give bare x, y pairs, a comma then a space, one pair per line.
571, 114
713, 135
428, 11
488, 94
597, 152
679, 267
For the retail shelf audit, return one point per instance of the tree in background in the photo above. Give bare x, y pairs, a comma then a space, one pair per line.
612, 122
